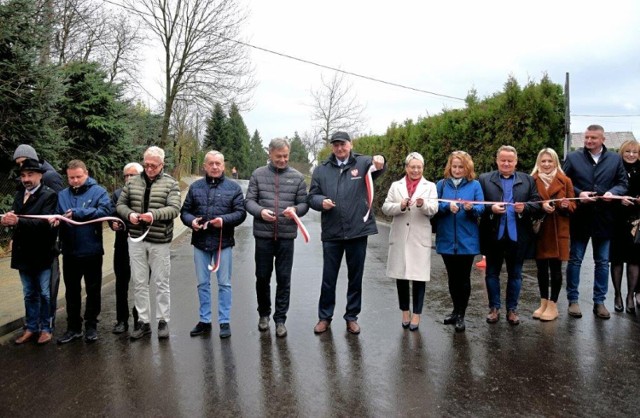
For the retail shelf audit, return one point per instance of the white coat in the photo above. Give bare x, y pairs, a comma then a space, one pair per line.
410, 235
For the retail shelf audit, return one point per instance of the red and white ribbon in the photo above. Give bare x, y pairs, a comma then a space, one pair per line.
141, 237
301, 227
215, 266
368, 181
71, 221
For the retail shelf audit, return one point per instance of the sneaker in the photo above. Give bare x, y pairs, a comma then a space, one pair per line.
120, 327
574, 310
601, 311
281, 330
70, 336
141, 329
225, 330
163, 329
91, 335
263, 324
200, 328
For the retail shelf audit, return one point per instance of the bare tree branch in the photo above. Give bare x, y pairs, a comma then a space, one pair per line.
203, 64
335, 107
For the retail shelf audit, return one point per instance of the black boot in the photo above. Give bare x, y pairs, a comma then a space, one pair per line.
451, 318
460, 325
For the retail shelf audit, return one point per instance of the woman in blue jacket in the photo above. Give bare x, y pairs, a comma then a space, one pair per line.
457, 232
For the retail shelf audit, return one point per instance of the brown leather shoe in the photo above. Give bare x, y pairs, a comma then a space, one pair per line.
45, 337
353, 327
27, 336
322, 326
494, 315
513, 318
601, 311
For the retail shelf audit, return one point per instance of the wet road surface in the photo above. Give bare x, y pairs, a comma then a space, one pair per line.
569, 367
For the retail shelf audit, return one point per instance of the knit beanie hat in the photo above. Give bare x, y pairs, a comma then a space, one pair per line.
26, 151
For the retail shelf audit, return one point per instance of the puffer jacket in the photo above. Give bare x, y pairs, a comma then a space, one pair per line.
276, 189
210, 198
87, 202
346, 187
163, 202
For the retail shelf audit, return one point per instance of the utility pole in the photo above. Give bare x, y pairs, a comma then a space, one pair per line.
567, 118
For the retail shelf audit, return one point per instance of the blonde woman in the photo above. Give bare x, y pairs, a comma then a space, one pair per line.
552, 245
622, 249
411, 201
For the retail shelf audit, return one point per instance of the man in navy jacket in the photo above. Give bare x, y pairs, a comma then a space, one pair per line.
214, 206
339, 191
595, 172
82, 249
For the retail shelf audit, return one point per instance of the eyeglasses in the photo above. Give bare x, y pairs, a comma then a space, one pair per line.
152, 166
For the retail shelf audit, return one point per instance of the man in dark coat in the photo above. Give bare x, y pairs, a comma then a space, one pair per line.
52, 179
339, 191
121, 262
214, 206
275, 192
505, 229
595, 172
33, 249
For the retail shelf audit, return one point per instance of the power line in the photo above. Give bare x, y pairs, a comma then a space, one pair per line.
607, 116
305, 61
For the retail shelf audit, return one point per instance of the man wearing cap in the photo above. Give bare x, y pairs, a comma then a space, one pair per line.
33, 249
340, 192
52, 179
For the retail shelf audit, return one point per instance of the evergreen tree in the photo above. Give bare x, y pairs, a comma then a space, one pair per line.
95, 120
236, 153
216, 136
298, 155
28, 90
257, 154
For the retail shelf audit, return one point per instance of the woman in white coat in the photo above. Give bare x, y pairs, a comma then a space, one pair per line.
411, 201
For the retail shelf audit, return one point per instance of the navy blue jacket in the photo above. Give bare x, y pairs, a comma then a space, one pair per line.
346, 187
595, 219
458, 233
211, 198
87, 202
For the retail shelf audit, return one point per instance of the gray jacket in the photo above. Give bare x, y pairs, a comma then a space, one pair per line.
276, 189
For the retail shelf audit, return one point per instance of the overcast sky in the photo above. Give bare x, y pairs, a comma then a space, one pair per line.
447, 48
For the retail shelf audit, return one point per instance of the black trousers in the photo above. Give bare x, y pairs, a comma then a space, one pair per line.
122, 270
546, 266
418, 289
74, 269
459, 271
267, 251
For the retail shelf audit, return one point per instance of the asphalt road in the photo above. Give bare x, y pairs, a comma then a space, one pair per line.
569, 367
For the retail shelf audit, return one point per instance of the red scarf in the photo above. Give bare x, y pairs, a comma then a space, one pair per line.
412, 185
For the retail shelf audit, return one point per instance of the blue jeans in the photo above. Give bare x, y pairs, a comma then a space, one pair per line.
332, 251
268, 250
601, 271
37, 299
202, 260
505, 252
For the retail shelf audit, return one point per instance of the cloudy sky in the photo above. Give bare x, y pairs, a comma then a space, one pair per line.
447, 48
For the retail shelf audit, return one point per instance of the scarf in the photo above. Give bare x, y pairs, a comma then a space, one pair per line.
412, 185
547, 178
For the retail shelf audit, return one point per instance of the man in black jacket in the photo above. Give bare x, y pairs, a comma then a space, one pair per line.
594, 171
340, 191
33, 249
275, 192
505, 229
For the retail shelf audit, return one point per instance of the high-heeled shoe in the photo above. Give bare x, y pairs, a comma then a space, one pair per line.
414, 327
631, 305
617, 304
405, 325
